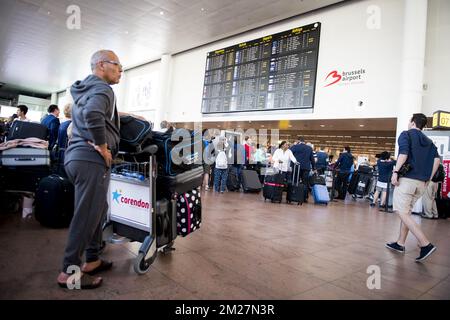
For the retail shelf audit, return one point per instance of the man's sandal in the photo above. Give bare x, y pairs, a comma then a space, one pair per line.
86, 282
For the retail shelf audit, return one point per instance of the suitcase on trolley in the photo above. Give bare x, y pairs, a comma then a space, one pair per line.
180, 154
54, 203
296, 190
250, 181
166, 223
25, 157
273, 187
25, 129
166, 186
189, 212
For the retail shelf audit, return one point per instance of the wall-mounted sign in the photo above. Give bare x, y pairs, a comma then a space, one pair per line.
343, 78
441, 120
271, 73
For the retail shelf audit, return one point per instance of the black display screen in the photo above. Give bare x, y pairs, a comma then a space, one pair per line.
271, 73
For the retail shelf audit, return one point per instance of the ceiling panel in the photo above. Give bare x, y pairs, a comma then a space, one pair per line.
36, 47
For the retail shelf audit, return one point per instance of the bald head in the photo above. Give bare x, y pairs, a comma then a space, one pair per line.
106, 65
101, 55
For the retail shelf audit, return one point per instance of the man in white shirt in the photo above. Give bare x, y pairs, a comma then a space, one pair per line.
21, 113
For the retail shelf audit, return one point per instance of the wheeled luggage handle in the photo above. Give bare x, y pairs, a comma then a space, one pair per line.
296, 174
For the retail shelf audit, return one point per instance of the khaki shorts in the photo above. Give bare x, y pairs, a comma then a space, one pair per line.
407, 193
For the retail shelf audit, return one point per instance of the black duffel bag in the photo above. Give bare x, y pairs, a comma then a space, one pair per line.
135, 134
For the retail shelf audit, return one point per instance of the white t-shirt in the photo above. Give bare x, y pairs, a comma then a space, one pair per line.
26, 119
286, 157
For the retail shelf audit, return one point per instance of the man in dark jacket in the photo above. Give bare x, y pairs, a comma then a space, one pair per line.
94, 143
51, 121
344, 164
419, 151
305, 157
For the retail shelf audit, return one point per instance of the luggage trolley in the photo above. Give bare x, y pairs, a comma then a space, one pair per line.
132, 208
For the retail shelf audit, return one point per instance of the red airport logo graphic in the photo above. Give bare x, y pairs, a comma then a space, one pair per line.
346, 77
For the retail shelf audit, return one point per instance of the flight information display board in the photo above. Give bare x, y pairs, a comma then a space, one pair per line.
271, 73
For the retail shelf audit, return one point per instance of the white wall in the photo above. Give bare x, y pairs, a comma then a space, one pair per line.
437, 58
346, 43
139, 92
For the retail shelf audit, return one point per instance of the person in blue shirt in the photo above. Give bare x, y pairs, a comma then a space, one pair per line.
417, 150
305, 157
62, 141
51, 121
344, 164
321, 161
385, 167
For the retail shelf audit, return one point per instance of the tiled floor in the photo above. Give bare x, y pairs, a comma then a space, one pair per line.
246, 249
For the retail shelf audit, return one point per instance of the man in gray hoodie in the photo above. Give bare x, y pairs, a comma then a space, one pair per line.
94, 143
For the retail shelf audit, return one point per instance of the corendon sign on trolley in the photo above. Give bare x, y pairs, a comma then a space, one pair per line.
130, 202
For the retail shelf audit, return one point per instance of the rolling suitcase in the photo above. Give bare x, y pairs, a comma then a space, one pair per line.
54, 203
250, 181
353, 183
24, 129
25, 157
296, 190
189, 212
363, 185
233, 180
320, 194
273, 187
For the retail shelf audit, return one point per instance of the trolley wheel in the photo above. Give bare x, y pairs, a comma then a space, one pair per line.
141, 265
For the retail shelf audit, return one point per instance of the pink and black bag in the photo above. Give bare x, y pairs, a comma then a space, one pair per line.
189, 212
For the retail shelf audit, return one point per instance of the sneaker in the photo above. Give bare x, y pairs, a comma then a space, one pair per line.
372, 204
396, 247
425, 252
221, 191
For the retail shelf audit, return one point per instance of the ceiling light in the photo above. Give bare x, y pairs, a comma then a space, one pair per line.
202, 9
361, 125
126, 32
218, 126
322, 125
161, 13
290, 126
262, 126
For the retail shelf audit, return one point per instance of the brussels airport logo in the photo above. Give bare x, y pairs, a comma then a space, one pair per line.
117, 197
345, 78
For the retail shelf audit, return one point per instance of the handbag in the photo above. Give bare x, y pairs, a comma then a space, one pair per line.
439, 176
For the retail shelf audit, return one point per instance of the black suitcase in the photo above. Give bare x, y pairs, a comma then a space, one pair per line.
250, 181
363, 184
166, 223
134, 133
54, 202
24, 129
23, 178
187, 146
273, 187
353, 183
316, 179
233, 180
296, 190
183, 182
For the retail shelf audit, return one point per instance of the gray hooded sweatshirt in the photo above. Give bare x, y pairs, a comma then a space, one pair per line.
95, 118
